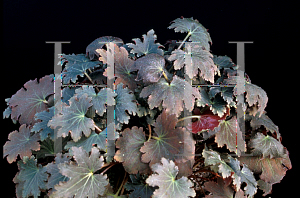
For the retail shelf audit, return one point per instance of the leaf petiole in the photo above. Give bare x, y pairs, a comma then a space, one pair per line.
90, 79
164, 74
188, 117
187, 36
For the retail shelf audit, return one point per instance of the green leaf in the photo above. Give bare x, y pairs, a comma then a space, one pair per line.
129, 150
148, 46
20, 143
105, 96
231, 168
72, 118
196, 31
173, 95
87, 143
165, 179
139, 187
201, 59
41, 127
167, 141
55, 175
123, 66
77, 67
91, 49
26, 103
31, 177
83, 182
226, 93
124, 101
223, 62
217, 105
229, 133
264, 120
245, 175
151, 68
267, 146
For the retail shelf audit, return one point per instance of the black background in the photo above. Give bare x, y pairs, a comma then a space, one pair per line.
271, 61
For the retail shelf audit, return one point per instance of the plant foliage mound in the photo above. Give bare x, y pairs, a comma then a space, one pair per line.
176, 127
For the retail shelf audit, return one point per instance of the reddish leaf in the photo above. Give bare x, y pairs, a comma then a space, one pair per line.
167, 141
220, 189
21, 143
129, 150
207, 121
123, 66
26, 103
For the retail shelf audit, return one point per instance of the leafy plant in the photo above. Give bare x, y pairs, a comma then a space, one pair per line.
176, 128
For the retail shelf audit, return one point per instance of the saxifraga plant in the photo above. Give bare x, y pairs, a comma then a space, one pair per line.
152, 91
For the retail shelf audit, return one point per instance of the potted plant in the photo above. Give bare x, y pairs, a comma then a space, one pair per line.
176, 129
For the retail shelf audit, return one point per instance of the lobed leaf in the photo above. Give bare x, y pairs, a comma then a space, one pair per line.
41, 127
72, 118
91, 49
196, 31
167, 140
53, 170
139, 187
87, 143
217, 105
267, 146
231, 168
31, 178
124, 101
201, 59
83, 182
26, 103
151, 67
129, 150
223, 61
165, 179
263, 120
123, 66
148, 46
255, 94
105, 96
229, 133
77, 67
271, 171
173, 95
21, 143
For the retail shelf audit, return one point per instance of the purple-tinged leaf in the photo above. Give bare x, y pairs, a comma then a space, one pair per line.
201, 59
148, 46
21, 143
26, 103
91, 49
172, 96
129, 150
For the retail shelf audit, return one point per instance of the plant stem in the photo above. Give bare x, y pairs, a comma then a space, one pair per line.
98, 130
188, 117
187, 36
149, 133
122, 184
90, 79
109, 166
166, 77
